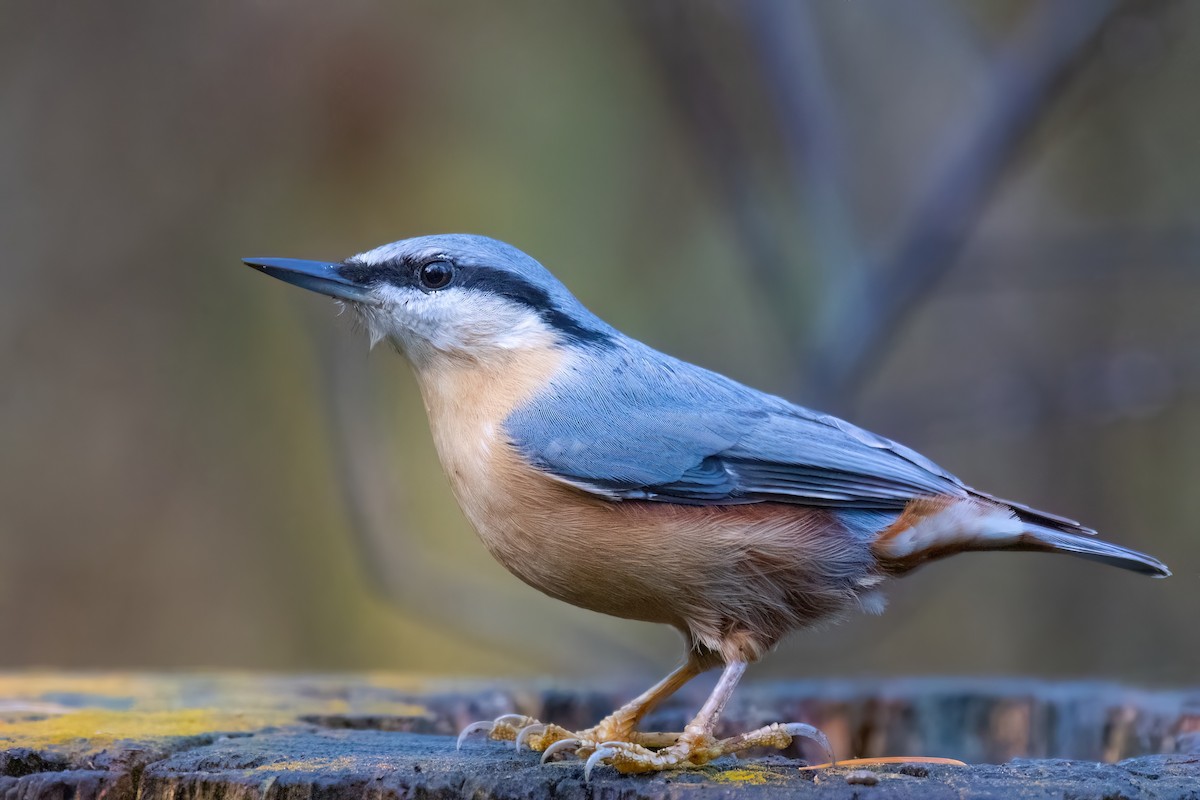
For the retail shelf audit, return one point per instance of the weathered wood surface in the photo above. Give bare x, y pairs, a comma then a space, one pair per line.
227, 737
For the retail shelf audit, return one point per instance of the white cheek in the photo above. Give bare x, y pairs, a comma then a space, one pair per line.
454, 320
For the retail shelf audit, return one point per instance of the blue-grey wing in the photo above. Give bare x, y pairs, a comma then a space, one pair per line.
639, 425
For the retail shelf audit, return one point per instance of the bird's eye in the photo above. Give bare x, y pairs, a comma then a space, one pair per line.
436, 274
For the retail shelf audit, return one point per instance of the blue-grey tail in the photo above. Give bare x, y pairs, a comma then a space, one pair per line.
1050, 533
1042, 537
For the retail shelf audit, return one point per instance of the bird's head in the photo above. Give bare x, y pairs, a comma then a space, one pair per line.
452, 295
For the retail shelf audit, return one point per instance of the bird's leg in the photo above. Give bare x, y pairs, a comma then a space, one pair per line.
618, 726
697, 745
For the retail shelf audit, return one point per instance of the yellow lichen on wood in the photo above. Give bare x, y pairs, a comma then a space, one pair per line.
99, 728
49, 709
753, 777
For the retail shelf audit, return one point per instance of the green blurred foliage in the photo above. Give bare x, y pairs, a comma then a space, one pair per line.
174, 428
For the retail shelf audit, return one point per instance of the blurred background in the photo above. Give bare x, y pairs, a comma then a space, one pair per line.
970, 227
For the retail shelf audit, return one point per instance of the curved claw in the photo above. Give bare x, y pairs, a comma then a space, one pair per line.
558, 747
473, 728
602, 752
809, 732
514, 720
526, 732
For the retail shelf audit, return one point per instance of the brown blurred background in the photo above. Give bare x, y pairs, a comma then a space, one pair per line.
970, 227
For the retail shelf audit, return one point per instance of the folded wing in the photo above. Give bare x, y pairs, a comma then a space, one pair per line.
654, 428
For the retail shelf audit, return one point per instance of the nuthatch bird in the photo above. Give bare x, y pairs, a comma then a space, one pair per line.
622, 480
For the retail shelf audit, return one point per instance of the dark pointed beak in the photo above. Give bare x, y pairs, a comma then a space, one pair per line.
317, 276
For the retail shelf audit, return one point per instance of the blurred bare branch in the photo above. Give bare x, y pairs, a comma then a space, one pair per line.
1052, 42
692, 84
792, 63
864, 303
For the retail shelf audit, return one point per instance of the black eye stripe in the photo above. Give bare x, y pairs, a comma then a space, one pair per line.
405, 273
516, 289
393, 272
507, 285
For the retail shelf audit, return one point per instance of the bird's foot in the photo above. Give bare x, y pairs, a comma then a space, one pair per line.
503, 728
584, 743
528, 732
695, 748
551, 740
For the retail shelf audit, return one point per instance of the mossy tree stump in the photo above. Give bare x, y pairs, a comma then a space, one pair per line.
144, 737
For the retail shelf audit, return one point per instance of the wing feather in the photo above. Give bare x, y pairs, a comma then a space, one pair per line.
635, 424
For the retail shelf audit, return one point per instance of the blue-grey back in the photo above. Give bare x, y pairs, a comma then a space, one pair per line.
628, 422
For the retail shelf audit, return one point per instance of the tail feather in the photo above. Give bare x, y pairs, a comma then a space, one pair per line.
1042, 537
1052, 533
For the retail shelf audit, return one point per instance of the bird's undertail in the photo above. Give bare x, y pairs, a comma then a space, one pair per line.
933, 528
